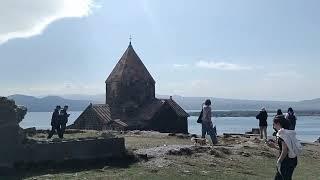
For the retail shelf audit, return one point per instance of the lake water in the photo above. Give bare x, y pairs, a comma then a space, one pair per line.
307, 128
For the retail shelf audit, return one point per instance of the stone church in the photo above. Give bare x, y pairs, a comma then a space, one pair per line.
131, 103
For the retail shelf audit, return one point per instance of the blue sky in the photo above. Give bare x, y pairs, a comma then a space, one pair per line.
248, 49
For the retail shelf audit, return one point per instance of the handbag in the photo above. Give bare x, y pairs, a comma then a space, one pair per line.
200, 117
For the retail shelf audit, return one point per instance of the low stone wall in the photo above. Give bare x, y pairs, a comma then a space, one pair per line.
17, 148
74, 150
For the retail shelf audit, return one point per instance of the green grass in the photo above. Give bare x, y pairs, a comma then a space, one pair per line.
259, 165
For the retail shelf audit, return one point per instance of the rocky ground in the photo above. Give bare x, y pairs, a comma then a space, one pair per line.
174, 156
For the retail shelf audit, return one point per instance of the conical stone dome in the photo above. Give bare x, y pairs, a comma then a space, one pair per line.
130, 68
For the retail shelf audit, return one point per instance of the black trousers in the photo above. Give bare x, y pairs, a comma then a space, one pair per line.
287, 167
62, 130
53, 130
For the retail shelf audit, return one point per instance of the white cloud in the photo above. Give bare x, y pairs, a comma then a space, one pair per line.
26, 18
221, 66
180, 65
60, 88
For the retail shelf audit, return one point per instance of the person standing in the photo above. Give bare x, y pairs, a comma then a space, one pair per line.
263, 116
291, 118
289, 148
279, 112
208, 127
63, 119
55, 124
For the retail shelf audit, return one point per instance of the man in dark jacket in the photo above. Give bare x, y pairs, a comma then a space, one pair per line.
291, 118
55, 124
63, 119
263, 116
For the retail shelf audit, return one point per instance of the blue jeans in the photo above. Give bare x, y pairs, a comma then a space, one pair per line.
207, 128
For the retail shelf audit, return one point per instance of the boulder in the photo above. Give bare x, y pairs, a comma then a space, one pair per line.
255, 131
30, 131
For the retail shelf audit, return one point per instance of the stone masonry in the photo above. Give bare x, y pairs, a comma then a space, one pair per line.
16, 148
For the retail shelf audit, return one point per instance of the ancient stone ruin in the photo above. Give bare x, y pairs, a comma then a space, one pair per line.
131, 102
16, 147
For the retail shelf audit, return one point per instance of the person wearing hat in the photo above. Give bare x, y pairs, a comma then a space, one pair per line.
63, 119
55, 124
263, 116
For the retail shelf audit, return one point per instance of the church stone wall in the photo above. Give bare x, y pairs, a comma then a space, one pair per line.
128, 95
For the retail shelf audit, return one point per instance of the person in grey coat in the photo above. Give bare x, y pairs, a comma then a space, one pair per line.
208, 126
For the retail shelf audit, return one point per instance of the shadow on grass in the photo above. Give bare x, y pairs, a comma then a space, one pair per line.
27, 170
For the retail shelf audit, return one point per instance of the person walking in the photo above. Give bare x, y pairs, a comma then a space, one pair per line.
289, 148
63, 119
291, 118
208, 127
55, 125
263, 116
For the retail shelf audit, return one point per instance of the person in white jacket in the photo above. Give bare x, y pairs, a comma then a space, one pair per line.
208, 126
289, 148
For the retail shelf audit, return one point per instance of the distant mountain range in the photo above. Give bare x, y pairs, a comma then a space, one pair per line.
79, 102
48, 103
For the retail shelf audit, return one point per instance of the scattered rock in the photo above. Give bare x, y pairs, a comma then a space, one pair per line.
182, 136
216, 153
142, 157
172, 134
255, 131
201, 149
256, 140
213, 164
245, 154
74, 131
136, 132
56, 140
180, 152
157, 163
224, 150
193, 135
107, 135
30, 131
186, 172
267, 154
154, 170
205, 172
42, 136
318, 140
249, 172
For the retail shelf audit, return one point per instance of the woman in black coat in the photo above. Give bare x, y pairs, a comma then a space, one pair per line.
263, 116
